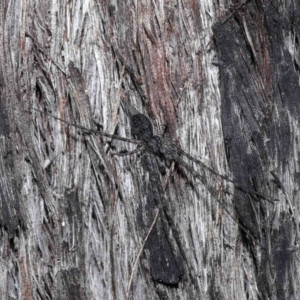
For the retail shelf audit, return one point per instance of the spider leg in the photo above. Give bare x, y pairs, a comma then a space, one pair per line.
87, 130
214, 194
139, 148
236, 186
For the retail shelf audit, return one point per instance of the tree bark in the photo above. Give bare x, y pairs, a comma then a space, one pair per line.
220, 81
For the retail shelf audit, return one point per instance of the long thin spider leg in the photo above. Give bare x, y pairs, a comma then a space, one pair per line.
214, 195
91, 130
203, 165
138, 149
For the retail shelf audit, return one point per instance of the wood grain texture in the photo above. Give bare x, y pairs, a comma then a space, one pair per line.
220, 81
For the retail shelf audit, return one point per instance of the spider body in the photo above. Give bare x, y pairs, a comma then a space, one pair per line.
141, 128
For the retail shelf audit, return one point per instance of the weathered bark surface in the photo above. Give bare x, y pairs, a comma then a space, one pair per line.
225, 87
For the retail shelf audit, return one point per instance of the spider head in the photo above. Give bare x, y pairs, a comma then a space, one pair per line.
154, 144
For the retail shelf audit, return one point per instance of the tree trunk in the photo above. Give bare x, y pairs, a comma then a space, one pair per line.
219, 81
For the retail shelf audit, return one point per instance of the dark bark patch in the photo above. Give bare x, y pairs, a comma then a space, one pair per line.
69, 285
283, 258
257, 105
166, 263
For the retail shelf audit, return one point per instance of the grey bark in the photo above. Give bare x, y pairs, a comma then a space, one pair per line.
220, 81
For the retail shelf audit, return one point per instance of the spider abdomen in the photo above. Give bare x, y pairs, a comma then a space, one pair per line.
141, 128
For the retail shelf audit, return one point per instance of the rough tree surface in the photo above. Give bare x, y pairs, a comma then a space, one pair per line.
219, 79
